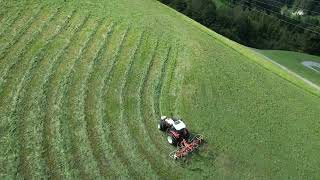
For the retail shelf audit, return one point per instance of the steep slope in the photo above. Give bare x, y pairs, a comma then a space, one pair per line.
83, 83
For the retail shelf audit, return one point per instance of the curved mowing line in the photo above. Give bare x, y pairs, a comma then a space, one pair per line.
142, 93
91, 124
158, 88
76, 115
104, 92
34, 36
49, 114
22, 31
11, 130
12, 21
98, 113
151, 153
123, 90
64, 102
25, 79
179, 87
157, 145
168, 86
142, 90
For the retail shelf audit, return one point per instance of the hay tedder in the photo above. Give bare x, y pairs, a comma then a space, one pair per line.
178, 135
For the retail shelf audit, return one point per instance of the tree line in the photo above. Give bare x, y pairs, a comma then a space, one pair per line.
260, 24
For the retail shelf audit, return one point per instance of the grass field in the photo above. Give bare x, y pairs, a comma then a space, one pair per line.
83, 83
293, 61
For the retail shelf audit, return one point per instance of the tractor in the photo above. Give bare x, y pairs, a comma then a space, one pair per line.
178, 135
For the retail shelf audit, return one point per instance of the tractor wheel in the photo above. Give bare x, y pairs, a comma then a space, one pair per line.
172, 140
162, 125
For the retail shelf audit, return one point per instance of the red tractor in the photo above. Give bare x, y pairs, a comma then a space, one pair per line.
178, 135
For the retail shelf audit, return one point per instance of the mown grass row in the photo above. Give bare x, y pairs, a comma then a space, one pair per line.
14, 85
13, 57
126, 114
22, 30
55, 148
95, 107
91, 125
28, 112
61, 82
159, 86
152, 96
166, 99
133, 111
150, 118
114, 105
114, 56
82, 146
64, 121
10, 18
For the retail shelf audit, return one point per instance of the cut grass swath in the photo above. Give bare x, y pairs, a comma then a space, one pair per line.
75, 102
166, 98
22, 31
55, 150
95, 108
16, 96
12, 57
102, 103
92, 127
113, 107
10, 20
67, 71
123, 116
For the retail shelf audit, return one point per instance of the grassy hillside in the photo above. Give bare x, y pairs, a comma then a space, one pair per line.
294, 61
83, 83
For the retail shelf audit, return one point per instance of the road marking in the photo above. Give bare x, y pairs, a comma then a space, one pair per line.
290, 72
312, 65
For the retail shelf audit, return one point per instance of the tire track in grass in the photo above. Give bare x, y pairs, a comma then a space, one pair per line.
9, 100
99, 107
75, 102
158, 88
94, 131
23, 46
87, 169
124, 114
179, 77
133, 103
54, 152
166, 105
11, 43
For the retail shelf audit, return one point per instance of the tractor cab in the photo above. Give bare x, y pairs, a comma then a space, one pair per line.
175, 128
179, 125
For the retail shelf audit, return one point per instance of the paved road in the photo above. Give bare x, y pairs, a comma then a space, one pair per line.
290, 72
